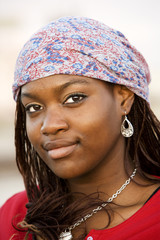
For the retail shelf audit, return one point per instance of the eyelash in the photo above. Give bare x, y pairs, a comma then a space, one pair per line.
28, 107
79, 95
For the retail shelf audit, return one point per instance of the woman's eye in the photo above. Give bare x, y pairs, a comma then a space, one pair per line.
74, 98
33, 108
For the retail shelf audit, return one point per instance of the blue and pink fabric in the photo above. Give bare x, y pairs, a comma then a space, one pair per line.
86, 47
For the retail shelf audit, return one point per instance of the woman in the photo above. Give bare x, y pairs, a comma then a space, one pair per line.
87, 142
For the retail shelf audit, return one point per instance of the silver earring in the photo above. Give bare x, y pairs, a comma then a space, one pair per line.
126, 127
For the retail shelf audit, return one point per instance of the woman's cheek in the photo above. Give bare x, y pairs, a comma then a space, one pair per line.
33, 130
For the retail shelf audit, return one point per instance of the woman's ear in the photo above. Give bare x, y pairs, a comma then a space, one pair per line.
125, 98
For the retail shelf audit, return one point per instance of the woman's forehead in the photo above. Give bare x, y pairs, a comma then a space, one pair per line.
61, 82
56, 81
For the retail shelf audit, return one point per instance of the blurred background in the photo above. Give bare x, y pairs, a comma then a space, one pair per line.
139, 20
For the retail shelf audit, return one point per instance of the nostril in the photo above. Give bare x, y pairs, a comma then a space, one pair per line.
54, 127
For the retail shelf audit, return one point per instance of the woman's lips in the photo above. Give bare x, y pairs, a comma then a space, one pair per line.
61, 152
59, 148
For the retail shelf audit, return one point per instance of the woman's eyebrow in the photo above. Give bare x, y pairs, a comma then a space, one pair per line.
59, 88
26, 94
30, 95
67, 84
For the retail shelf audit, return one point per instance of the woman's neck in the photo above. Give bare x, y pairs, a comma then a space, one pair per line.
107, 181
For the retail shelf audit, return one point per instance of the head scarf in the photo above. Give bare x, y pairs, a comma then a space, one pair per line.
85, 47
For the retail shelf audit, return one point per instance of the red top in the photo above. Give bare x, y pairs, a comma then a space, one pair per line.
143, 225
13, 212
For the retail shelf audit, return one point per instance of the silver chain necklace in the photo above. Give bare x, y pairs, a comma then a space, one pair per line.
67, 235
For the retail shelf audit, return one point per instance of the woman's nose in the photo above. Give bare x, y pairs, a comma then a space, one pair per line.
53, 122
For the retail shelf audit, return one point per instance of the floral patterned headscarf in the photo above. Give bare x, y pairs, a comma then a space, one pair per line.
85, 47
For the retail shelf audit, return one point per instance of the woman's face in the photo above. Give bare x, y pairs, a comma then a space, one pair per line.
73, 122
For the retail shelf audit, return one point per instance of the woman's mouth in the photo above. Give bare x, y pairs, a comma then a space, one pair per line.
59, 149
61, 152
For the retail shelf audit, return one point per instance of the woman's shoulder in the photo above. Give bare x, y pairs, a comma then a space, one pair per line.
12, 212
17, 201
144, 224
15, 204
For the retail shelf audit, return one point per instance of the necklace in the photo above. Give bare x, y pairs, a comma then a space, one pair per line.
67, 235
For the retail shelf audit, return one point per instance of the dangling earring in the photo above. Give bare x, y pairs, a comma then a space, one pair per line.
126, 127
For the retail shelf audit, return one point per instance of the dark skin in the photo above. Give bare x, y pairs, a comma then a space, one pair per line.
74, 123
